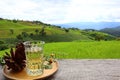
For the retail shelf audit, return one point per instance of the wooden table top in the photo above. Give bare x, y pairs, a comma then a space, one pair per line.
85, 69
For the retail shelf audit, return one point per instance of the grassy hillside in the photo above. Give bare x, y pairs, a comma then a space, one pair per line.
17, 27
79, 50
29, 27
13, 28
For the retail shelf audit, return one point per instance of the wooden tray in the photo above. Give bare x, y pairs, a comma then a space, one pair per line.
23, 75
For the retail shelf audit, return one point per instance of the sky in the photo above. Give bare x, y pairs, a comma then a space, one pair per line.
61, 11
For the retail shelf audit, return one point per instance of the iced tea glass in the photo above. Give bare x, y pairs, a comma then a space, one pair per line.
34, 57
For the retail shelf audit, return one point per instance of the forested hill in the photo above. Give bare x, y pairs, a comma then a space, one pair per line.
113, 31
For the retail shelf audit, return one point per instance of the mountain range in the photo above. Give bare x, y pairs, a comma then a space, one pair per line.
90, 25
113, 31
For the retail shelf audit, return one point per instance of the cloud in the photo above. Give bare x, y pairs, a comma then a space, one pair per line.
61, 11
16, 8
91, 10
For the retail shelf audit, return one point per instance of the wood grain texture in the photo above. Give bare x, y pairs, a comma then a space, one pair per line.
84, 69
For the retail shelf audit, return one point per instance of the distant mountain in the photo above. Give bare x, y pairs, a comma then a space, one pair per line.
91, 25
113, 31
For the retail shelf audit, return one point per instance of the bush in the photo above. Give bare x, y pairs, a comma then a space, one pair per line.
11, 31
27, 39
15, 21
10, 40
1, 18
19, 37
24, 34
66, 30
3, 47
2, 42
118, 39
42, 32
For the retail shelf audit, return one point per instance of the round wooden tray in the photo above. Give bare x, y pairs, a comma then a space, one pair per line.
23, 75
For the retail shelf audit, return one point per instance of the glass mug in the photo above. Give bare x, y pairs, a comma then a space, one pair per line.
34, 57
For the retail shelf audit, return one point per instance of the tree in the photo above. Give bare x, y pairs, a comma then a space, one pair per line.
31, 34
36, 30
11, 31
1, 18
24, 34
99, 37
42, 32
15, 21
19, 37
66, 30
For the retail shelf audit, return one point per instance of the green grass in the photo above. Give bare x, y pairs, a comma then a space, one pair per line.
78, 50
82, 50
18, 27
3, 52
